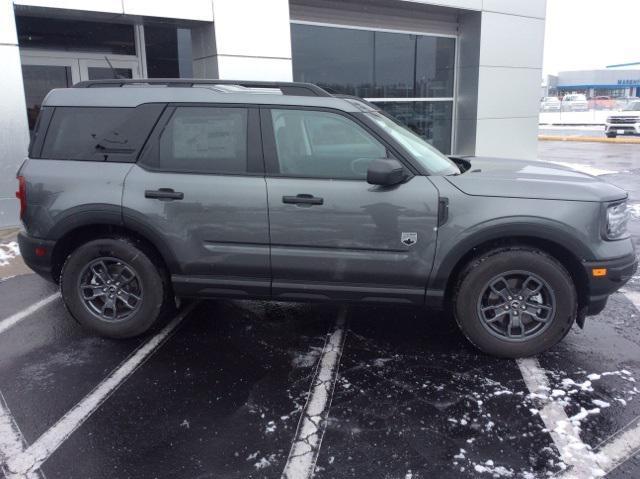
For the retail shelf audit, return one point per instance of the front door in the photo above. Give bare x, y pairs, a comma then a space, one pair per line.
333, 235
199, 190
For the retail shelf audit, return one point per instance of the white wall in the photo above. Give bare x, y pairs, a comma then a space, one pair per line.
253, 39
509, 76
14, 131
201, 10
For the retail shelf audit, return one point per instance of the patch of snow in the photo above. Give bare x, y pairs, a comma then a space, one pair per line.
271, 427
461, 455
634, 209
264, 462
306, 359
8, 251
496, 471
600, 404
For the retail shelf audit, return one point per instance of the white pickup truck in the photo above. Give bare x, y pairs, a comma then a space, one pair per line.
625, 122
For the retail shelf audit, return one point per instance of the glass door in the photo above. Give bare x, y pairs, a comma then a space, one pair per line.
43, 71
40, 75
101, 69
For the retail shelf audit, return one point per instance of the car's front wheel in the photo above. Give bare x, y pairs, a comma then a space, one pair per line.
112, 287
515, 302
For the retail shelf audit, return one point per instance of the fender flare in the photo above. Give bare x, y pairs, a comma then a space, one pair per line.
503, 228
113, 215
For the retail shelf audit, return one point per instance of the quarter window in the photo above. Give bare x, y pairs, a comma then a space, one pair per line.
99, 134
323, 145
205, 140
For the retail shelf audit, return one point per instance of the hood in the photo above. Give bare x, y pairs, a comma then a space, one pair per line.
624, 113
532, 179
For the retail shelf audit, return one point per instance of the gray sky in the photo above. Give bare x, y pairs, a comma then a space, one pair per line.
586, 34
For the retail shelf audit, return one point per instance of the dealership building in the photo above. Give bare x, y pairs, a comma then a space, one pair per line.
464, 74
616, 81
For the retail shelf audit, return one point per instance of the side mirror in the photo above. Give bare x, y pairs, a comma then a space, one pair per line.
385, 172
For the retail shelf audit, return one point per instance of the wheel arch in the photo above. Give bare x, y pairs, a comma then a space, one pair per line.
566, 249
78, 232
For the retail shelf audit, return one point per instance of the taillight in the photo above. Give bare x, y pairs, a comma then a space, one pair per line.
21, 194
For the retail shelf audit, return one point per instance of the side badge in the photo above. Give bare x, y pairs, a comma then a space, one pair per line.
409, 238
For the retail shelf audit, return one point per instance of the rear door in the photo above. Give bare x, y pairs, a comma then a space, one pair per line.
333, 235
199, 190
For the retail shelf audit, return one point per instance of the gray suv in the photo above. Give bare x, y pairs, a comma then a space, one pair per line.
139, 192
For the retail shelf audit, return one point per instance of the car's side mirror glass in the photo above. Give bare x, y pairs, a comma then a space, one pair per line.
387, 172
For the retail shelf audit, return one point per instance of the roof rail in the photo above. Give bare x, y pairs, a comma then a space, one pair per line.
287, 88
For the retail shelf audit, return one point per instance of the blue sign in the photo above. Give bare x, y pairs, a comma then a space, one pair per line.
629, 82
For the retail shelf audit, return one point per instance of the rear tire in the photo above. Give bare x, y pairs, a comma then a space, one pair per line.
112, 287
534, 321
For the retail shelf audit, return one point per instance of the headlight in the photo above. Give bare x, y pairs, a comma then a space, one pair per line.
617, 219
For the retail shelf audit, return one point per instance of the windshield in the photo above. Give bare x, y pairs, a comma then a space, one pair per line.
429, 157
633, 106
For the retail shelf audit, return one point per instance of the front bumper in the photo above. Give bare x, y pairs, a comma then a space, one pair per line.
622, 128
37, 254
619, 271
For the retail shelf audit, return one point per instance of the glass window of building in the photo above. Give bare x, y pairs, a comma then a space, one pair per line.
339, 59
394, 65
410, 76
168, 50
73, 35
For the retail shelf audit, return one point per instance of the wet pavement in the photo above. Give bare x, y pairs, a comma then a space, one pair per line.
222, 394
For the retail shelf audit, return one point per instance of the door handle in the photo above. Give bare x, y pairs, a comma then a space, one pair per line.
164, 194
303, 199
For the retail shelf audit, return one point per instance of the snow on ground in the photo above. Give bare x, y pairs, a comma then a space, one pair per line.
577, 395
8, 251
582, 168
634, 208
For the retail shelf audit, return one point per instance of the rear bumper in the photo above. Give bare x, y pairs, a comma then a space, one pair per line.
619, 271
40, 263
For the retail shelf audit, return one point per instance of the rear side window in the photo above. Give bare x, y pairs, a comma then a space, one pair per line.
99, 133
205, 140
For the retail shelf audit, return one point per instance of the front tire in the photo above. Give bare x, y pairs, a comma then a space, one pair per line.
112, 287
515, 302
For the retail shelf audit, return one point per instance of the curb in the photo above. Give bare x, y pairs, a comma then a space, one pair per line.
590, 139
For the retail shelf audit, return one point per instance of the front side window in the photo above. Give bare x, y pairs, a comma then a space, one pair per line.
205, 140
430, 158
323, 145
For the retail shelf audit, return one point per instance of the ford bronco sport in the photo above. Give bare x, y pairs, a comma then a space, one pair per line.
139, 192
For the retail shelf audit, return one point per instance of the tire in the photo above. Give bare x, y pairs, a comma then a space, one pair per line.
557, 295
96, 263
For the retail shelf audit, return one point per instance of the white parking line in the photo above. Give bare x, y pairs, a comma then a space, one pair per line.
634, 297
304, 451
624, 446
565, 435
22, 464
19, 316
11, 439
584, 462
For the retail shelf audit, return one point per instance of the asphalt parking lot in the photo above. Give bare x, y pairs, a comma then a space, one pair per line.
239, 389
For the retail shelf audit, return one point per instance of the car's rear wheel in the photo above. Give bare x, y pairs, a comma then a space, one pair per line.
515, 302
112, 287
